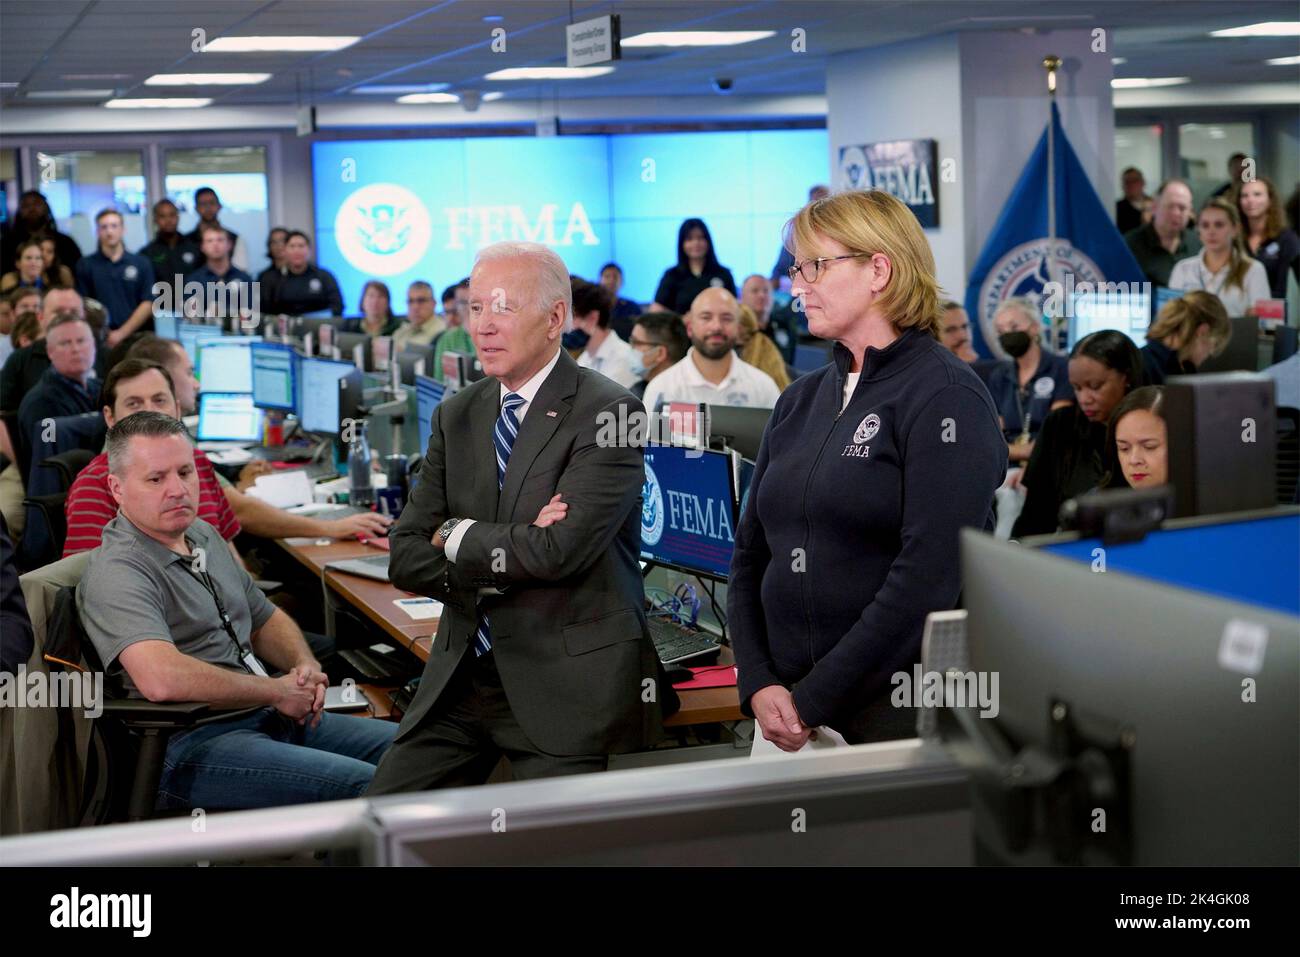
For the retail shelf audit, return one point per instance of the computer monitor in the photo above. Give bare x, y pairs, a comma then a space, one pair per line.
810, 356
225, 365
319, 393
1242, 353
452, 370
688, 510
409, 363
471, 369
738, 427
275, 376
1165, 713
428, 393
1127, 312
188, 334
165, 324
1163, 297
348, 341
229, 417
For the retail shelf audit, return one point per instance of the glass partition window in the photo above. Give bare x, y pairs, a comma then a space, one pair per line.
80, 183
1140, 147
1204, 150
238, 175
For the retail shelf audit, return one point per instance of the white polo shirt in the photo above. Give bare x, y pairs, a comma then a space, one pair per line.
744, 385
613, 360
1192, 273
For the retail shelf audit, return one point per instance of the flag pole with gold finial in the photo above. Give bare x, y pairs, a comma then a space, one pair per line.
1051, 64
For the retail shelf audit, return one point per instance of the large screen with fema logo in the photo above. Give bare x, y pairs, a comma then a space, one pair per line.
688, 510
400, 210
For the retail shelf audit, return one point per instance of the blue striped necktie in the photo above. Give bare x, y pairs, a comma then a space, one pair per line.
503, 439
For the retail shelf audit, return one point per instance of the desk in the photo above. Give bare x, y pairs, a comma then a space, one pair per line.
374, 600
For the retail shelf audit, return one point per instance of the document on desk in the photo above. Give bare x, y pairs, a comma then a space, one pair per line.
826, 738
283, 489
421, 609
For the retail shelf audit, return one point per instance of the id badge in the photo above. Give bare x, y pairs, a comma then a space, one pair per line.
253, 665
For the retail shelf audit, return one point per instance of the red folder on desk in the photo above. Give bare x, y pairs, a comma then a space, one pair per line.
376, 542
713, 676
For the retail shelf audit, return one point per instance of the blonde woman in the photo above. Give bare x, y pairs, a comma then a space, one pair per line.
1186, 333
868, 469
760, 351
1223, 267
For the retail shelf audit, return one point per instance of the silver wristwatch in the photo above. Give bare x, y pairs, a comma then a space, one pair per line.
447, 527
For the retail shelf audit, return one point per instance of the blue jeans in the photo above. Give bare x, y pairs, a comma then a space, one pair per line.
266, 760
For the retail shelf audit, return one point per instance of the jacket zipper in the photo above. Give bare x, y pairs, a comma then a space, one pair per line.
803, 590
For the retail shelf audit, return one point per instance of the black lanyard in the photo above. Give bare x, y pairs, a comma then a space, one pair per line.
227, 625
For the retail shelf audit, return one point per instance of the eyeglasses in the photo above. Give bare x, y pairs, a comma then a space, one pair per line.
636, 343
800, 269
410, 299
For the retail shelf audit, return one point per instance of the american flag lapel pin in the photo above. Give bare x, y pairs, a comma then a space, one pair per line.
552, 414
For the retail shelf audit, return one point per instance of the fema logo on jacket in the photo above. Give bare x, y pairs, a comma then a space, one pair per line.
652, 508
865, 432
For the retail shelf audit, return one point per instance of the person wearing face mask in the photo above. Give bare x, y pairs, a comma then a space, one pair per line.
658, 343
604, 351
1187, 332
1071, 456
1223, 266
1138, 440
1033, 384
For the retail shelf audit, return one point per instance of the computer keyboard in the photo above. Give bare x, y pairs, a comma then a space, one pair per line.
334, 512
674, 642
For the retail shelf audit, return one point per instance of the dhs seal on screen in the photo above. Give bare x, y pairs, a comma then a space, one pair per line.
652, 508
383, 229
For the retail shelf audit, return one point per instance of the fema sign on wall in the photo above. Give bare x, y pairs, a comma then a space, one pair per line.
902, 168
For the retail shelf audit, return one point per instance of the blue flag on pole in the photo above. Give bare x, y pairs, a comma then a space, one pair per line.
1020, 258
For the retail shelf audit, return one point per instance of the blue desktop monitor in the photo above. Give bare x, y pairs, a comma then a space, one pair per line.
275, 376
428, 393
225, 365
318, 392
1255, 557
1163, 297
188, 333
165, 324
1127, 312
688, 510
229, 417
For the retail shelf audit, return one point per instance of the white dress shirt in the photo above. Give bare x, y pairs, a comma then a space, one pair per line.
745, 385
1192, 273
528, 391
613, 360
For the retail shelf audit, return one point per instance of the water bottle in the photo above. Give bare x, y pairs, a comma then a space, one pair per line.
361, 491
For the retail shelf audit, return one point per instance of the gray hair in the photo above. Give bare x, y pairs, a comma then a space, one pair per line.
551, 276
148, 424
1026, 306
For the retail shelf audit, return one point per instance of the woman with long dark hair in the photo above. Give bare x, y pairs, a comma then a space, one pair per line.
1071, 456
1267, 236
697, 269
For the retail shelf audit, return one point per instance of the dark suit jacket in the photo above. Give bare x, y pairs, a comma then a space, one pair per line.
568, 630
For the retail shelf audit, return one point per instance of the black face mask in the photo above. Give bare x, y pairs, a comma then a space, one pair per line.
574, 339
1015, 344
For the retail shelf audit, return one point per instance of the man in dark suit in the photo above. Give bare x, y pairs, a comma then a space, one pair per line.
525, 523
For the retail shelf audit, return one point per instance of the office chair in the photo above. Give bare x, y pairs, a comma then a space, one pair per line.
45, 532
68, 465
129, 739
